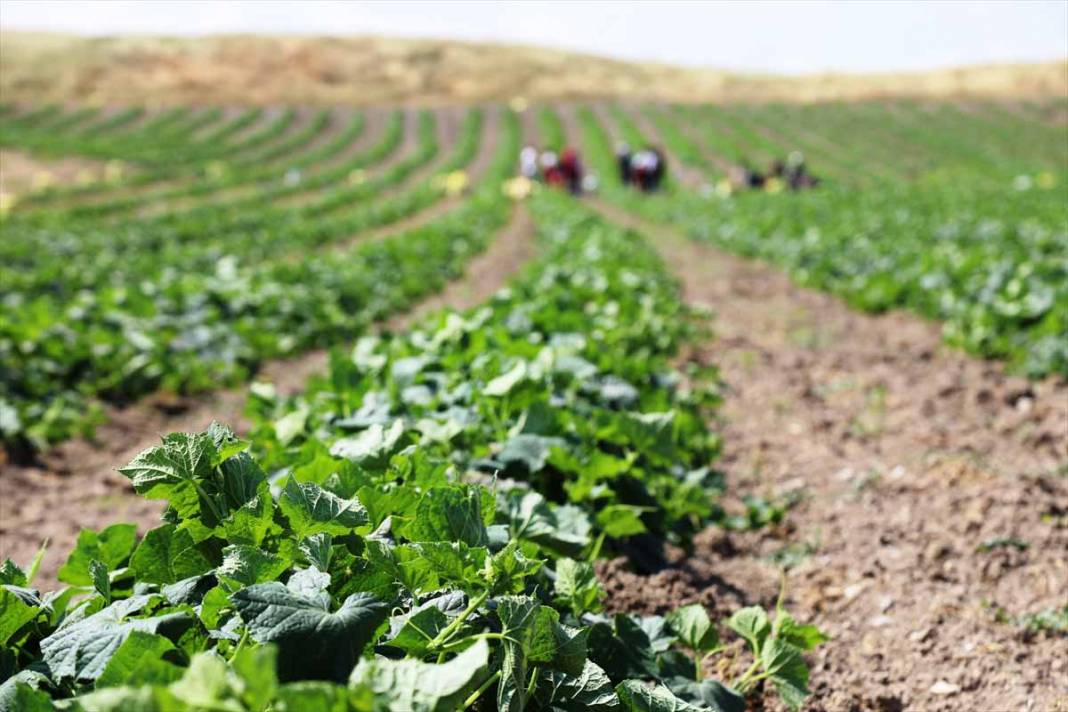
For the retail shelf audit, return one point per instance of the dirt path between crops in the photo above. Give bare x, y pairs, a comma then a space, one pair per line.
22, 172
77, 486
933, 497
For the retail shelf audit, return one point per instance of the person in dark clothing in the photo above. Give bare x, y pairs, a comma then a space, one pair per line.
571, 167
623, 159
659, 168
795, 173
752, 178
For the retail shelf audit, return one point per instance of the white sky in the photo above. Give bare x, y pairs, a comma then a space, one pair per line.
775, 36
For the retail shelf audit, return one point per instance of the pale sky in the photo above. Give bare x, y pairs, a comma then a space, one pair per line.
775, 36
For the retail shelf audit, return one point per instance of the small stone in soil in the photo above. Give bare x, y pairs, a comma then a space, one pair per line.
944, 688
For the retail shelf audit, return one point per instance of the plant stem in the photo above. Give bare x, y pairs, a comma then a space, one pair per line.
482, 688
451, 628
743, 683
240, 644
533, 681
448, 647
211, 504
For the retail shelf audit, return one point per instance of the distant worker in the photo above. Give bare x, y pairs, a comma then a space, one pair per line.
796, 172
528, 163
743, 177
647, 170
659, 168
623, 158
550, 169
571, 168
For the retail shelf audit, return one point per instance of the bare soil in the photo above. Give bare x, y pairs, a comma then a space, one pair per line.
76, 485
20, 171
933, 497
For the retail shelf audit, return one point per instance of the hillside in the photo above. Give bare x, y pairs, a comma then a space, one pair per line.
372, 70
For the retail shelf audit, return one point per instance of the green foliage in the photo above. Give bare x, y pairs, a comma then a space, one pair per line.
111, 307
961, 240
418, 566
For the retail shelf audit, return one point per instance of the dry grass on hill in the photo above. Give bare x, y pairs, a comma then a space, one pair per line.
372, 70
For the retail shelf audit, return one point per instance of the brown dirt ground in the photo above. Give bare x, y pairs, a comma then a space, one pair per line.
76, 486
906, 457
19, 171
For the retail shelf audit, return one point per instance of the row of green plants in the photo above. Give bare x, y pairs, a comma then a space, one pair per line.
192, 308
418, 530
987, 260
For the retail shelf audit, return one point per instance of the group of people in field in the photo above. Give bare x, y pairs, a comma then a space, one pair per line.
791, 173
642, 169
645, 170
563, 170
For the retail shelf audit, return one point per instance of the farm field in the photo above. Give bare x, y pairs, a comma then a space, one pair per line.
426, 445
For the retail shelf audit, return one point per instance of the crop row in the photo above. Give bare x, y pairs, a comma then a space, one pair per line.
987, 260
418, 530
114, 312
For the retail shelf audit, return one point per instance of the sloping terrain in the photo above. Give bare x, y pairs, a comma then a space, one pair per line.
375, 70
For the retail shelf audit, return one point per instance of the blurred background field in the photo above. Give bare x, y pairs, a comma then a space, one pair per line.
364, 71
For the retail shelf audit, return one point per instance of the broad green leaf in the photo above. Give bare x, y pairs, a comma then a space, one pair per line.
310, 583
621, 520
372, 447
529, 451
246, 565
503, 384
708, 694
168, 554
564, 529
787, 670
589, 690
636, 696
404, 564
226, 443
81, 650
622, 650
449, 514
112, 545
316, 697
752, 624
454, 562
577, 586
242, 481
290, 425
803, 636
139, 661
694, 628
313, 642
415, 686
509, 569
174, 471
18, 695
312, 510
249, 522
14, 613
98, 570
418, 630
317, 549
11, 574
207, 684
128, 699
255, 668
656, 628
519, 624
